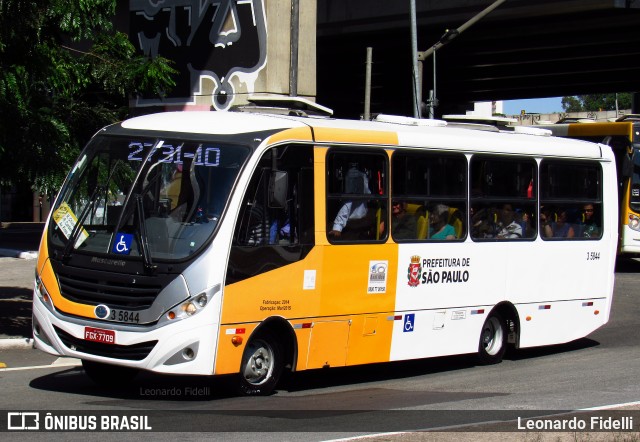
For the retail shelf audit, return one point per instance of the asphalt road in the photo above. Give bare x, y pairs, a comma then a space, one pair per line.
600, 370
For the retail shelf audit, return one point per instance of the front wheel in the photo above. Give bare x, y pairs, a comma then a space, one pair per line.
262, 364
493, 340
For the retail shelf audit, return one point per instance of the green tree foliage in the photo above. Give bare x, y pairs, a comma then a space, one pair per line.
64, 73
596, 102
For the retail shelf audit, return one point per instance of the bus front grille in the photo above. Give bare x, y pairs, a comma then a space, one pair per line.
135, 352
115, 290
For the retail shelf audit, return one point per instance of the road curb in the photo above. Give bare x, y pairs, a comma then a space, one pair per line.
16, 343
22, 254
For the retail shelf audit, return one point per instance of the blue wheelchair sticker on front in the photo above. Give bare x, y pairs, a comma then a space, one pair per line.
122, 244
409, 320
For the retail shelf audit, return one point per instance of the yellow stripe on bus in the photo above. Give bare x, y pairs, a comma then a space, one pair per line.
295, 134
50, 282
64, 305
329, 135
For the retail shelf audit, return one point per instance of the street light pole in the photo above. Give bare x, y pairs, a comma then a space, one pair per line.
432, 98
449, 35
417, 85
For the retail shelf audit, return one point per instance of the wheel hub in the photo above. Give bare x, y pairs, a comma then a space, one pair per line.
258, 366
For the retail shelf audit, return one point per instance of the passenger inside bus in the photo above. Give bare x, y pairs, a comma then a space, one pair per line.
547, 216
589, 227
355, 219
562, 228
439, 223
508, 227
403, 223
483, 222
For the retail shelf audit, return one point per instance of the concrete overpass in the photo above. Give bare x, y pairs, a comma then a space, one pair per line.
523, 49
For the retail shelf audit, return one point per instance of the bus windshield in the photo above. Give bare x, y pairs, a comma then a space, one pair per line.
148, 197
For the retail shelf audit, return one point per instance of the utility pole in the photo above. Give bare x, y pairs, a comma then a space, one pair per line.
367, 85
295, 44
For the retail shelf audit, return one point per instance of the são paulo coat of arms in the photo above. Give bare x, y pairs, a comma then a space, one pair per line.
414, 272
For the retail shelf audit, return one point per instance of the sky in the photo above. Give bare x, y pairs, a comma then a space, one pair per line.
535, 105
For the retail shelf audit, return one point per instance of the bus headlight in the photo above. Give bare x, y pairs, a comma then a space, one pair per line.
189, 308
42, 293
634, 222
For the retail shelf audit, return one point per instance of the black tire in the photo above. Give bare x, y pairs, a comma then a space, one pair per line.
109, 375
261, 367
493, 340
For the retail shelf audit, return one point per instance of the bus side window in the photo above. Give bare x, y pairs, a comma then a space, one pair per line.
252, 226
270, 234
357, 203
289, 222
429, 193
503, 198
571, 200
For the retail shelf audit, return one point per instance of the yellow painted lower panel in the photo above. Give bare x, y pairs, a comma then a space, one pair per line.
333, 284
303, 336
370, 339
229, 355
328, 344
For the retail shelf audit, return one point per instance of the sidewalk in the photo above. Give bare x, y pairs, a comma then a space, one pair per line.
20, 240
18, 252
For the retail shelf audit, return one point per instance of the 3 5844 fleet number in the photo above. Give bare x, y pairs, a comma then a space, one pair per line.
593, 256
124, 316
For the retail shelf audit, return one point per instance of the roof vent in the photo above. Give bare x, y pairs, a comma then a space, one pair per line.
575, 120
499, 122
283, 105
408, 121
532, 131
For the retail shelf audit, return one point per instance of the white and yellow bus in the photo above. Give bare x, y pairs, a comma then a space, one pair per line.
623, 136
242, 243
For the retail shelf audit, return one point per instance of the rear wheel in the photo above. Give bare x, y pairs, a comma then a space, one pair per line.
262, 363
108, 375
493, 340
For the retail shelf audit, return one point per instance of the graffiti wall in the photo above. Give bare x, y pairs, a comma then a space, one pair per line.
219, 47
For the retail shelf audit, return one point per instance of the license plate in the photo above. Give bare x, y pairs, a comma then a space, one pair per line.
99, 335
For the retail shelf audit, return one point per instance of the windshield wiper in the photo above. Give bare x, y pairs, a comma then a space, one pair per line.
66, 253
92, 200
142, 236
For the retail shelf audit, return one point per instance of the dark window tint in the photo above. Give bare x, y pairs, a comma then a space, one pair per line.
357, 201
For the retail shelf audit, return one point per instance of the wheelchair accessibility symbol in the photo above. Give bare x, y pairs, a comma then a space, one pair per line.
409, 320
122, 245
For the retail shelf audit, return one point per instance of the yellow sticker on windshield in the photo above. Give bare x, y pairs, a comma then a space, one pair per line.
66, 221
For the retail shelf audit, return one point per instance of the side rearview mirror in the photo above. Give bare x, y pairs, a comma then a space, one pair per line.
278, 185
